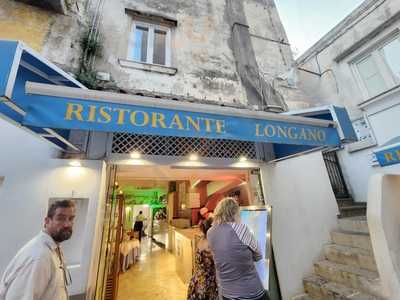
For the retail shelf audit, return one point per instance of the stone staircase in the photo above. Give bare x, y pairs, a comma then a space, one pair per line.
347, 269
349, 208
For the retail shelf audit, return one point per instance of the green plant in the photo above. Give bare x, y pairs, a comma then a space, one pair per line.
88, 78
91, 44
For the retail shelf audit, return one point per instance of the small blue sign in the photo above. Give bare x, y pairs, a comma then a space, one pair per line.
56, 112
388, 156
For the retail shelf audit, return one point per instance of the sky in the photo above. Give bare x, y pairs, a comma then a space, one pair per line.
306, 21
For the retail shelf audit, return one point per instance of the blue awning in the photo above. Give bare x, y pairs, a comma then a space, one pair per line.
333, 113
19, 64
40, 96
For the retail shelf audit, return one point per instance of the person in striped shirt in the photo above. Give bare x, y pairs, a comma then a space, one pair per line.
235, 250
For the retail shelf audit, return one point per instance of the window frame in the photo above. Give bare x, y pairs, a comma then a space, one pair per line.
385, 63
379, 60
152, 27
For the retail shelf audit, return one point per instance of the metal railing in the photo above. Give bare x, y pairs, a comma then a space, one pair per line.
335, 175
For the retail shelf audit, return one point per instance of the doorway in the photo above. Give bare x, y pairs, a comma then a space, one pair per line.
171, 202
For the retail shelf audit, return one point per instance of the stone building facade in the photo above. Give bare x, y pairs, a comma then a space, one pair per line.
218, 52
223, 52
51, 31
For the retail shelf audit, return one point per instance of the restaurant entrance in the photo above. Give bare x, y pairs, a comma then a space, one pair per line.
171, 202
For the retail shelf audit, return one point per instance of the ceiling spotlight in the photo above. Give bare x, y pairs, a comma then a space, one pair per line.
135, 155
75, 163
242, 158
193, 157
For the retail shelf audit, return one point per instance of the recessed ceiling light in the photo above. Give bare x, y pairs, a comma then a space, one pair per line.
75, 163
135, 155
193, 157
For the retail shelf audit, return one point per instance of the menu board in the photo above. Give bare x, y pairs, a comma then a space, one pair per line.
256, 220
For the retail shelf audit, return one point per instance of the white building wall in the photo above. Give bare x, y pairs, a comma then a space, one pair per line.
32, 175
339, 85
304, 212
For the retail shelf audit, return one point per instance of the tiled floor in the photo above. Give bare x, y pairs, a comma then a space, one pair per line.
152, 278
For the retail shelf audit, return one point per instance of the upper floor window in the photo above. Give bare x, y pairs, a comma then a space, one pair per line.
150, 43
379, 70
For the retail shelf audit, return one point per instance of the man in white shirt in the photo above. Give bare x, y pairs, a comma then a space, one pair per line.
38, 271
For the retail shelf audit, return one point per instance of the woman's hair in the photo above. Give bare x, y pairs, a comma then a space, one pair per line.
226, 211
205, 225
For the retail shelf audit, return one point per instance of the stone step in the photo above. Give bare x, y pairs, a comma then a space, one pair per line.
356, 257
319, 288
364, 280
301, 297
354, 225
356, 240
345, 201
353, 210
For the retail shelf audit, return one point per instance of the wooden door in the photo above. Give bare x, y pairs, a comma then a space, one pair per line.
109, 266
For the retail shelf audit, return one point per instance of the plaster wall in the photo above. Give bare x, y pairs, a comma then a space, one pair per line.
55, 36
302, 217
201, 48
338, 85
32, 175
358, 166
383, 222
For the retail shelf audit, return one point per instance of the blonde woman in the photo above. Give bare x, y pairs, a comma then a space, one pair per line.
235, 250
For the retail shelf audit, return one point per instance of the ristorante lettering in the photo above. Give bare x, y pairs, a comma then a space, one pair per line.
139, 118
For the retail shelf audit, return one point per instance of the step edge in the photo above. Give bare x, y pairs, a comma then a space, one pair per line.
328, 284
344, 268
357, 250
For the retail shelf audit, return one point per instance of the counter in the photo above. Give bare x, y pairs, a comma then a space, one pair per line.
183, 245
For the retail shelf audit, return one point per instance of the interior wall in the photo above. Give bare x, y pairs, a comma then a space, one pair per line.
30, 180
304, 212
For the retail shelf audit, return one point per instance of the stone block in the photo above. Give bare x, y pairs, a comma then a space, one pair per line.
301, 297
320, 289
354, 224
350, 256
352, 277
356, 240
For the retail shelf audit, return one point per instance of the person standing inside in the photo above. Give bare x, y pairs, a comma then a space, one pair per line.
235, 250
138, 226
38, 271
203, 285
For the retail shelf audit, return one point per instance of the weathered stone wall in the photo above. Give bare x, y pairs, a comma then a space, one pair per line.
201, 48
55, 36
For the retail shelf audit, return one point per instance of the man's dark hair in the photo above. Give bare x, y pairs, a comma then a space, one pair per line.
205, 225
140, 212
57, 204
